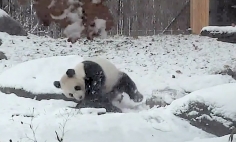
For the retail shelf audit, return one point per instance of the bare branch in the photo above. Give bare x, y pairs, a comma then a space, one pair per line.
34, 139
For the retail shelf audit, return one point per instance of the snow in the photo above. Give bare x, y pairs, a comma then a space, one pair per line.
67, 13
3, 13
220, 29
52, 4
72, 31
70, 2
96, 1
100, 25
148, 126
35, 62
220, 98
190, 84
219, 139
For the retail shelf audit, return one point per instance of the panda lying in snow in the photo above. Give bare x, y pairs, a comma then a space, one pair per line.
97, 78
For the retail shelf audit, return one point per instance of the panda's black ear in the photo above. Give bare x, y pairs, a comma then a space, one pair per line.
70, 73
57, 84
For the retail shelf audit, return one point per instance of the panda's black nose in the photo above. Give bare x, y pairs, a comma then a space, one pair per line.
70, 94
80, 97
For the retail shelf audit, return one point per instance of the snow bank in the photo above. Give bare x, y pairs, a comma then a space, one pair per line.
37, 76
220, 98
177, 88
212, 109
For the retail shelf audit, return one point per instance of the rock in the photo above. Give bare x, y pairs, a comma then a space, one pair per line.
2, 56
231, 38
10, 26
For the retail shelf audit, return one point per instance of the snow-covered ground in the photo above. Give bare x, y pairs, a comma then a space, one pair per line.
182, 63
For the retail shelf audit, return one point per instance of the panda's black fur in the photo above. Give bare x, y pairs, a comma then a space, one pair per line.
95, 73
95, 79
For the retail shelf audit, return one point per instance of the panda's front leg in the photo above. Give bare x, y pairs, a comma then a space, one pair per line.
127, 85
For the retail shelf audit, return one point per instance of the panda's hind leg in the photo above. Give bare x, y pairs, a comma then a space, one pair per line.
127, 85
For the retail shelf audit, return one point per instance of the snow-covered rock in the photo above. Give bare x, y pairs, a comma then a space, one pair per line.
219, 29
211, 109
222, 33
10, 26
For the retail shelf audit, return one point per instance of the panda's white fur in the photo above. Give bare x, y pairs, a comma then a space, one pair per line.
67, 84
103, 78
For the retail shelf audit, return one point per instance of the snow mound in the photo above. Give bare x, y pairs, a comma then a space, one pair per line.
37, 76
212, 109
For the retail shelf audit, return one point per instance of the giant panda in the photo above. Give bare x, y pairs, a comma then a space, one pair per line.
97, 78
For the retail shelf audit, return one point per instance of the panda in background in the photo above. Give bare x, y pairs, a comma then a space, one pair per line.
97, 78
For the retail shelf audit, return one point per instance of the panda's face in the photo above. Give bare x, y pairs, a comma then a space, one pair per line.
71, 85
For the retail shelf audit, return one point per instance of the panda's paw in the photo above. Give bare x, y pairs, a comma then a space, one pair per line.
138, 98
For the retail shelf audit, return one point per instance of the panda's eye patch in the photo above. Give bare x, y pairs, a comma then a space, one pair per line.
70, 94
77, 88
